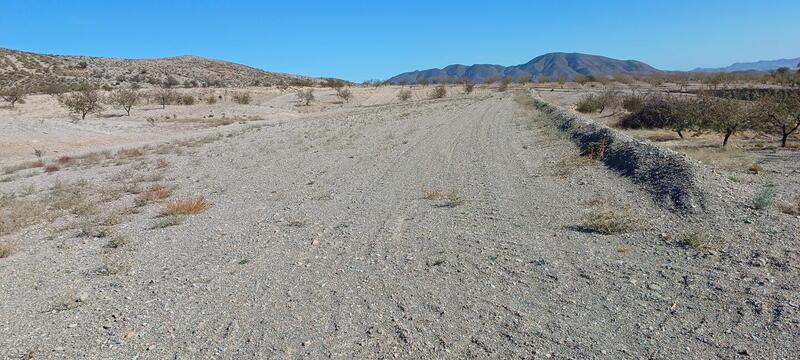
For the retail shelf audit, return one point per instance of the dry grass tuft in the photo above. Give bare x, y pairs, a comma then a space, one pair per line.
185, 207
755, 168
128, 153
7, 249
49, 168
697, 239
154, 194
449, 199
64, 160
607, 220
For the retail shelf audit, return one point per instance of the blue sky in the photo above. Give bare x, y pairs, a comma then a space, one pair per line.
359, 40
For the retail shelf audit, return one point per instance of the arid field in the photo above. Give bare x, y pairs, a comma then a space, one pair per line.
466, 226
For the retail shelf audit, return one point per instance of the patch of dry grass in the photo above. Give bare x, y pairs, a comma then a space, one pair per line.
606, 219
185, 207
7, 248
449, 199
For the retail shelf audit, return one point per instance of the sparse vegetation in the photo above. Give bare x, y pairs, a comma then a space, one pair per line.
404, 95
345, 94
305, 96
764, 198
164, 97
469, 88
697, 239
185, 207
604, 219
448, 199
242, 97
438, 92
7, 248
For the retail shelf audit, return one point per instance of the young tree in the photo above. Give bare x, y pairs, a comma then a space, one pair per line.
306, 96
126, 98
82, 102
170, 81
344, 94
781, 114
165, 97
13, 95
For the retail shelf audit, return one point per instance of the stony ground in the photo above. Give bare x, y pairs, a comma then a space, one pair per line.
454, 228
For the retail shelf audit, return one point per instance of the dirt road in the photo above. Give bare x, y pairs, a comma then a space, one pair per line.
435, 229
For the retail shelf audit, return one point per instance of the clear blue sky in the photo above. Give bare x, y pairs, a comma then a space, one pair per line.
359, 40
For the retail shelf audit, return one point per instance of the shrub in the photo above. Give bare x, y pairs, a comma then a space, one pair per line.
211, 100
169, 82
305, 96
186, 100
242, 98
763, 199
404, 95
588, 104
125, 98
82, 102
344, 94
51, 168
660, 111
632, 103
438, 92
697, 239
791, 208
13, 95
503, 85
185, 207
468, 88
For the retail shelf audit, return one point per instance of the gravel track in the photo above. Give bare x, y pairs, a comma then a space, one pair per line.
321, 244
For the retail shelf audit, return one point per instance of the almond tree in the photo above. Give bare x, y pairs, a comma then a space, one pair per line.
126, 98
727, 116
82, 102
13, 95
781, 114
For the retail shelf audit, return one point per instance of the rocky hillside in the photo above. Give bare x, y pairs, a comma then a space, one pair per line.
553, 65
30, 69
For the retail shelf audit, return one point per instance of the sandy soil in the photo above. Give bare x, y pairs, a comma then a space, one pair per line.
427, 229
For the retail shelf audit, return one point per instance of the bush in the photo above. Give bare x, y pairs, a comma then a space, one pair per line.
438, 92
632, 103
604, 219
211, 100
165, 97
13, 95
763, 199
305, 96
588, 104
186, 100
468, 88
242, 98
344, 94
503, 85
404, 95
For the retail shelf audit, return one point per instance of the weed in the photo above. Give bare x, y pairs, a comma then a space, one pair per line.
7, 249
596, 150
697, 239
755, 168
603, 219
171, 220
764, 198
185, 207
118, 241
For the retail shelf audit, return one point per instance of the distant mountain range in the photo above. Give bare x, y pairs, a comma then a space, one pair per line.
552, 65
763, 65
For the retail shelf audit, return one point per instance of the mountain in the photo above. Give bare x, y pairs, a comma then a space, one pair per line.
552, 65
30, 69
763, 65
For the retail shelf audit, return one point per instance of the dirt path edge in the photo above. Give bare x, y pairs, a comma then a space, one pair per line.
674, 180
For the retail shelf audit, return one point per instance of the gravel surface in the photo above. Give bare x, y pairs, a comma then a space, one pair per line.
432, 229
